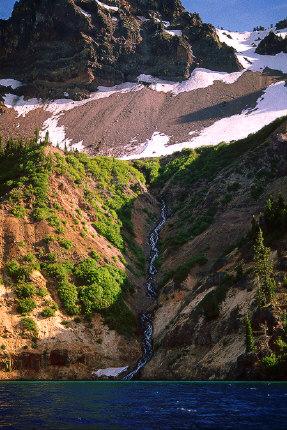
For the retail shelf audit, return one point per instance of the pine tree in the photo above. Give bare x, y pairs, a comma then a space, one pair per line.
37, 133
46, 141
264, 270
249, 341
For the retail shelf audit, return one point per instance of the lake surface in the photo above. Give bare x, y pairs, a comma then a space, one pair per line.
143, 405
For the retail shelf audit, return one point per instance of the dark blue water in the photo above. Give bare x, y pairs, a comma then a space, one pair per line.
142, 405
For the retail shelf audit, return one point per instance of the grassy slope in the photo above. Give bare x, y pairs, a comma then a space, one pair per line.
80, 209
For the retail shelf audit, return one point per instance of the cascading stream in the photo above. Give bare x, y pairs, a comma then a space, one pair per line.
147, 318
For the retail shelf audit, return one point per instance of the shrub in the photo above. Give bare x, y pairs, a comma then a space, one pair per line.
119, 317
95, 255
68, 295
50, 238
18, 211
249, 341
25, 290
233, 187
42, 292
227, 198
210, 304
26, 305
42, 212
86, 272
12, 269
256, 191
56, 271
17, 272
66, 243
48, 313
30, 257
30, 325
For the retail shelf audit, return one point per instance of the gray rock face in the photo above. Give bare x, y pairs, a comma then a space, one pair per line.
82, 44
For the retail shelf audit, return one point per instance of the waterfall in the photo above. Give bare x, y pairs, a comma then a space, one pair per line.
147, 318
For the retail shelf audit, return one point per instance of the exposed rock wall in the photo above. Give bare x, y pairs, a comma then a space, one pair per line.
82, 43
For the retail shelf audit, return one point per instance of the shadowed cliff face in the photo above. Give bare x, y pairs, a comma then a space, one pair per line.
84, 43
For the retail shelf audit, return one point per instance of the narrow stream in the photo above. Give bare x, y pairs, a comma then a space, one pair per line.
147, 318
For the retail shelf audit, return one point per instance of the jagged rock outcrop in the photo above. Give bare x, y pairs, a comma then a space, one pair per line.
272, 45
85, 43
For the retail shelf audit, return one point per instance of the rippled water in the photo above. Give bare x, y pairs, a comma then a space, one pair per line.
143, 405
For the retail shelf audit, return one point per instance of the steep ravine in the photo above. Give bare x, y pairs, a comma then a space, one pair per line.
147, 317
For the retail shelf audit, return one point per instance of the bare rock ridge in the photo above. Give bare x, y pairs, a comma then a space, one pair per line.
86, 43
272, 44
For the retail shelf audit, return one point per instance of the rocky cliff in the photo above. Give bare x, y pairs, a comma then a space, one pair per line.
272, 44
208, 283
80, 44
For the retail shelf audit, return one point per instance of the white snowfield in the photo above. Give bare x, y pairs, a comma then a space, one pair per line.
11, 83
245, 45
272, 105
199, 78
110, 371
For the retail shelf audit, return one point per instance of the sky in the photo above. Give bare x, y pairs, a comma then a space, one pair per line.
234, 15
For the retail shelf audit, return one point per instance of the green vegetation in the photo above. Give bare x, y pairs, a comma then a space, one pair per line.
275, 363
249, 341
191, 165
30, 326
26, 305
66, 243
281, 24
18, 272
25, 290
48, 312
210, 304
68, 295
264, 270
181, 272
18, 211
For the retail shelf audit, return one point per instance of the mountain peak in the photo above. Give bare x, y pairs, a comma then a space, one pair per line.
85, 43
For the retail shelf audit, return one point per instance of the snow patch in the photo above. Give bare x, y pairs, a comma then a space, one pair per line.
11, 83
83, 12
105, 6
21, 106
78, 146
155, 145
143, 19
245, 45
110, 371
272, 105
174, 32
200, 78
57, 133
58, 107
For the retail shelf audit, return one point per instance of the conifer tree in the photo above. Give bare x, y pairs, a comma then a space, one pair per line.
249, 341
37, 133
264, 270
